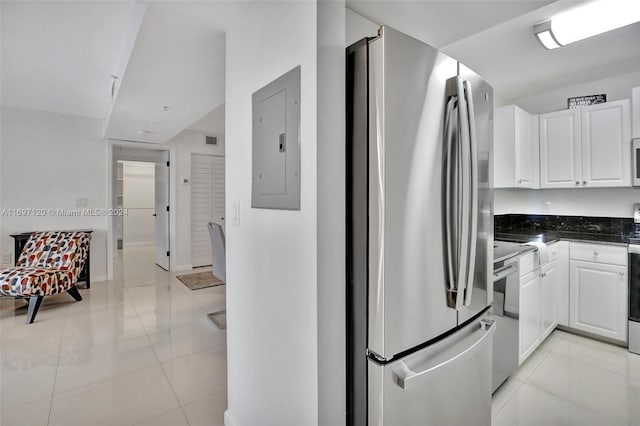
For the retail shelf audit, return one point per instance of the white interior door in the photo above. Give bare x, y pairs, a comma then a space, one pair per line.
162, 210
207, 204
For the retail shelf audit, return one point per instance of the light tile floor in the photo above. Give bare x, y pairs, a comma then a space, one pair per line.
572, 380
138, 350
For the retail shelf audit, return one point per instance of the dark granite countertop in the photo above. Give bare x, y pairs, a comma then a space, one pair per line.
550, 237
547, 229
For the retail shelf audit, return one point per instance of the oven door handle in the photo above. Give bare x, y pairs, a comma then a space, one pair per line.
503, 272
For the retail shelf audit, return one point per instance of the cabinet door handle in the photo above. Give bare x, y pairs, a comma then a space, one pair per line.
577, 182
584, 182
621, 273
595, 253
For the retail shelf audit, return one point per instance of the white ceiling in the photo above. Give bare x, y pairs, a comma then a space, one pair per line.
178, 61
211, 124
517, 65
439, 23
495, 39
58, 56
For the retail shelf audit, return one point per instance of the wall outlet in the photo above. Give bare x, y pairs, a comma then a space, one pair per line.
82, 202
546, 206
6, 259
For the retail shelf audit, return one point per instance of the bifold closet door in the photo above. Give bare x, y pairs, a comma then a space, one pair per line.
207, 204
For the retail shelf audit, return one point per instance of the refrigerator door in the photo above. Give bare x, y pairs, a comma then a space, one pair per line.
406, 275
479, 97
448, 383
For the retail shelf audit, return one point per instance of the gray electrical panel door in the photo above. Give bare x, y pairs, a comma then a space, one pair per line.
275, 182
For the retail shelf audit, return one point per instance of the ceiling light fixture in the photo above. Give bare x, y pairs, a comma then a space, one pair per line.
592, 18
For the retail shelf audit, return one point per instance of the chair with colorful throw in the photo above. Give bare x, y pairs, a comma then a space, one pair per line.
49, 263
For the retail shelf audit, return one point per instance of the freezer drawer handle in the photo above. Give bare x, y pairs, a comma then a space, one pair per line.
404, 375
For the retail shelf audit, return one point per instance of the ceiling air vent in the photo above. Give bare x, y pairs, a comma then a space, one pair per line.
211, 140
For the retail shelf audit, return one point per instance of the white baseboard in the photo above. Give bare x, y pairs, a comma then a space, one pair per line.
179, 268
230, 419
98, 279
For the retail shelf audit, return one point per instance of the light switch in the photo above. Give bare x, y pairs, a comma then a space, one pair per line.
235, 214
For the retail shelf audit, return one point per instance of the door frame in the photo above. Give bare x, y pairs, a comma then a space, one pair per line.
143, 149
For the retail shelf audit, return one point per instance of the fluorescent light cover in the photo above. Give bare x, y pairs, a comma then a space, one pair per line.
547, 40
593, 18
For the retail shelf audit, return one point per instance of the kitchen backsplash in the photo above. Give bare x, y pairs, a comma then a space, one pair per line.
530, 224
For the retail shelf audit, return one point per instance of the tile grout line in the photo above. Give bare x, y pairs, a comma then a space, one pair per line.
593, 365
55, 377
561, 396
510, 397
573, 402
164, 373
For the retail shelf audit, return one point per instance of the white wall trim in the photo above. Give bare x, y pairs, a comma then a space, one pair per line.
180, 268
230, 419
99, 279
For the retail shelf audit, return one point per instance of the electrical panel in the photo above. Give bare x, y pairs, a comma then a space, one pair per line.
275, 156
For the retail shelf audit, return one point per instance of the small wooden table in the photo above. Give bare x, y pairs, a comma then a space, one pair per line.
20, 240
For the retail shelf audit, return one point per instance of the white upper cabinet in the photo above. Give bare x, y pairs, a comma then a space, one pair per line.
515, 150
560, 149
586, 147
606, 144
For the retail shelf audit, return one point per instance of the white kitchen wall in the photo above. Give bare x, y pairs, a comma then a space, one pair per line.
611, 202
331, 213
272, 341
139, 200
49, 160
616, 87
186, 143
358, 27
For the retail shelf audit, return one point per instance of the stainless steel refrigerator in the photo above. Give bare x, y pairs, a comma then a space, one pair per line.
420, 236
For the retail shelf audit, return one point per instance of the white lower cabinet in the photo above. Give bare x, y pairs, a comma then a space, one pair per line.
584, 287
549, 308
529, 321
598, 299
538, 308
562, 280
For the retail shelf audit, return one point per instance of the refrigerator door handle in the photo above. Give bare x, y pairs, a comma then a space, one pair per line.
465, 193
404, 376
473, 167
449, 213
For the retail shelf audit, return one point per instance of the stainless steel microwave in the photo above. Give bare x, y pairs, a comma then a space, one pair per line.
636, 162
